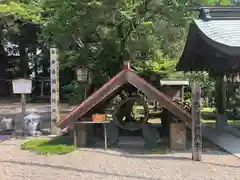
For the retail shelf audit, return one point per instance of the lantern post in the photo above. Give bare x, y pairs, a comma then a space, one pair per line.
83, 76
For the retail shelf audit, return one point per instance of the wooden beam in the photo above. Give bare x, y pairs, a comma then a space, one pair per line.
155, 94
106, 90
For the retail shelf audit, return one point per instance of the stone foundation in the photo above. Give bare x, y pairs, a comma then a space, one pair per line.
151, 135
178, 138
112, 134
80, 135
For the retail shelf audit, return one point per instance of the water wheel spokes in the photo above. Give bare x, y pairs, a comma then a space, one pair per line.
127, 113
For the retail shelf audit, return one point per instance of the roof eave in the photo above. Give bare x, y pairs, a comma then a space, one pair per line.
96, 98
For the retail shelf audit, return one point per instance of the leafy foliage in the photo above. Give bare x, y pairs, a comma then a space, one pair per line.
186, 105
207, 82
101, 34
25, 10
150, 33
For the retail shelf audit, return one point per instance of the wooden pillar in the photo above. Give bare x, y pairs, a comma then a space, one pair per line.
23, 107
221, 118
196, 123
42, 86
182, 93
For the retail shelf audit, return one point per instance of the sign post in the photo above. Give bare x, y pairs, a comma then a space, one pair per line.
196, 123
55, 109
21, 86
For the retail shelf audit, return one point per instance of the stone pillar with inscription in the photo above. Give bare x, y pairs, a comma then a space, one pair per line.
55, 106
196, 123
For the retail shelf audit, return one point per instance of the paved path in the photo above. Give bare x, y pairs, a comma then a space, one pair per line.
96, 164
13, 110
223, 139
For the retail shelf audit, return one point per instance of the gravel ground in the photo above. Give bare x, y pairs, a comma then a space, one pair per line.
97, 164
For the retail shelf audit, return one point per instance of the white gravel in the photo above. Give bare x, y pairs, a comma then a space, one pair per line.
98, 164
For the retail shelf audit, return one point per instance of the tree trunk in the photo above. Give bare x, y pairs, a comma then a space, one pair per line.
24, 68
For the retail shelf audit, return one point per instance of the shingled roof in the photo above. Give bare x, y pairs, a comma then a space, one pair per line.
124, 77
213, 41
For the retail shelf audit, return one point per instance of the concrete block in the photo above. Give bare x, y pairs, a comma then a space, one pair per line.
178, 138
80, 135
112, 133
151, 135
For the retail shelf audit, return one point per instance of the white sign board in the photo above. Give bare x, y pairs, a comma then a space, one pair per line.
22, 86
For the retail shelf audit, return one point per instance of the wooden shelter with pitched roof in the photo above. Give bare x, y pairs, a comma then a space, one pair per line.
112, 88
126, 80
213, 45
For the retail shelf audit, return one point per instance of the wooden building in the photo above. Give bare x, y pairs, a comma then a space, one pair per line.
112, 88
213, 45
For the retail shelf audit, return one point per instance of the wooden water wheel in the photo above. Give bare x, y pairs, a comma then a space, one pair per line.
130, 113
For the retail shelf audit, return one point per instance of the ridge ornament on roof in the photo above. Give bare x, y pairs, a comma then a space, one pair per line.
219, 13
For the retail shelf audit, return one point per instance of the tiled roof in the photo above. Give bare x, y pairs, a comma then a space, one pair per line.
213, 41
226, 32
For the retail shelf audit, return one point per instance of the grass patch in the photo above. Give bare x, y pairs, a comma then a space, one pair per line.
208, 109
210, 121
44, 146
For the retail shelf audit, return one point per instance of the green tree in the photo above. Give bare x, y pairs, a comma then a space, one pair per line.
102, 34
18, 25
27, 10
137, 30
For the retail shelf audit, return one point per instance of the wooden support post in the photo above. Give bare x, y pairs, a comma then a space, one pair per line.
221, 119
42, 86
196, 123
182, 93
75, 135
105, 136
20, 123
85, 91
23, 106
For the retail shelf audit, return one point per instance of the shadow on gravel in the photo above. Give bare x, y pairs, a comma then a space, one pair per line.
146, 156
222, 165
6, 144
75, 169
97, 172
158, 157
